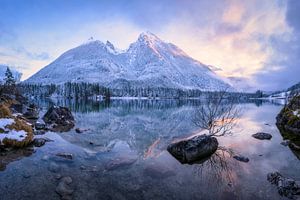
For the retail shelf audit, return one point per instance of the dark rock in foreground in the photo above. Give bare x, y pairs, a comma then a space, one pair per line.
286, 186
59, 119
241, 158
194, 149
262, 136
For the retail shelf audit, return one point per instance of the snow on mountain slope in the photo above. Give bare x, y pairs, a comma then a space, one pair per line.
17, 75
149, 62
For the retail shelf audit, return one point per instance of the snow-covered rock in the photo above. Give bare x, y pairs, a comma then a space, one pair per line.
17, 75
148, 62
15, 133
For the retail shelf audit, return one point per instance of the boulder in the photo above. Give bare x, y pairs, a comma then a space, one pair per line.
288, 120
59, 119
262, 136
288, 123
194, 149
286, 186
32, 112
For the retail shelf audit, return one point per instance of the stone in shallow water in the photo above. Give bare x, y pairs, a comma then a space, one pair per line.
68, 156
80, 130
285, 143
241, 158
38, 142
262, 136
194, 149
286, 186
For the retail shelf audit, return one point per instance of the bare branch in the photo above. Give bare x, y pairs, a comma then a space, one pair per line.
218, 114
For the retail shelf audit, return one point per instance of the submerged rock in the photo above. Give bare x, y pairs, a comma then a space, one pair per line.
68, 156
241, 158
59, 119
79, 130
194, 149
38, 142
262, 136
286, 186
63, 188
53, 167
285, 143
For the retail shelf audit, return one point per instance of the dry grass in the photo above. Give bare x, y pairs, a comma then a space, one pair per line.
4, 111
19, 125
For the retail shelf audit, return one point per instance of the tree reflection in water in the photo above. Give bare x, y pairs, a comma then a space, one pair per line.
217, 168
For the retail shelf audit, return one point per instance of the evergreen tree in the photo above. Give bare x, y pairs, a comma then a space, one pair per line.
9, 78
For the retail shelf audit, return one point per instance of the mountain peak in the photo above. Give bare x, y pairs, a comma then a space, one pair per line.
148, 37
110, 45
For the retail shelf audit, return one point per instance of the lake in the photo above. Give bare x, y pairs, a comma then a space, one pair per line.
122, 155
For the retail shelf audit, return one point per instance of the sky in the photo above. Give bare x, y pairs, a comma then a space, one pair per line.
256, 40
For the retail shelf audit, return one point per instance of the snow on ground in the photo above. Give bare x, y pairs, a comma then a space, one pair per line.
11, 134
14, 135
5, 122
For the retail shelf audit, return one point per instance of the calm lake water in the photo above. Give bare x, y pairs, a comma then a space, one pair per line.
123, 155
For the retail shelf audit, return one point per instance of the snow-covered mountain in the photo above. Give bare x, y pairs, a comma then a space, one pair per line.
17, 75
148, 62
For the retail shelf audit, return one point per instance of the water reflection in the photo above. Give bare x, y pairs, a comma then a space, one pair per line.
123, 155
7, 157
86, 105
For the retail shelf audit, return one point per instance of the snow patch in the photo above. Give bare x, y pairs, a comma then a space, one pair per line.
14, 135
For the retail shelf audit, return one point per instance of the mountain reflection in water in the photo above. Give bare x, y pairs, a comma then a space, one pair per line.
123, 155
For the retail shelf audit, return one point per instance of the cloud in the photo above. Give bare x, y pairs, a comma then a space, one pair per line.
252, 39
